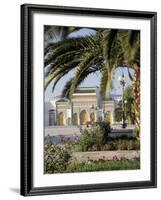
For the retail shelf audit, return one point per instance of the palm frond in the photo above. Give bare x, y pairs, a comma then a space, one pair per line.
58, 70
85, 63
131, 44
133, 37
104, 51
67, 88
129, 73
68, 45
109, 38
106, 82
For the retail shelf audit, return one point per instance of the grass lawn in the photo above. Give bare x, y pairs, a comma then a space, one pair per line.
104, 165
110, 165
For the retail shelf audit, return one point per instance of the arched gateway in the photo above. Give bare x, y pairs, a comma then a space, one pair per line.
61, 119
84, 117
85, 107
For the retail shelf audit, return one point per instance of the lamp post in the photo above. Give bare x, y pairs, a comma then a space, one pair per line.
125, 111
122, 83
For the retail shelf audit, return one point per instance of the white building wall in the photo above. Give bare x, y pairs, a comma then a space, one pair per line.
48, 105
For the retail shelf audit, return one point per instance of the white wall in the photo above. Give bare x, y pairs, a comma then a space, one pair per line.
10, 98
48, 106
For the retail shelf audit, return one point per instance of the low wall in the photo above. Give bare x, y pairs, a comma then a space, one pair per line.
105, 155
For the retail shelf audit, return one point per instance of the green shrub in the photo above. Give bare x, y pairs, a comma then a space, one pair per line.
137, 144
73, 165
122, 145
97, 139
91, 139
109, 146
86, 140
133, 145
123, 164
56, 158
106, 128
136, 132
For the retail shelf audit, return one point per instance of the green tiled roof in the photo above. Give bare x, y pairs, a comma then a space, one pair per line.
85, 90
62, 100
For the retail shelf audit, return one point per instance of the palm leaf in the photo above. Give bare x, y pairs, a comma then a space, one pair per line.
85, 63
59, 70
106, 82
67, 88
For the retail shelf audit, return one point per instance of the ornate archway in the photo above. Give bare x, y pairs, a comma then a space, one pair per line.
84, 117
75, 119
61, 119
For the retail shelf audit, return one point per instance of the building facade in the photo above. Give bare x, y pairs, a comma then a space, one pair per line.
85, 107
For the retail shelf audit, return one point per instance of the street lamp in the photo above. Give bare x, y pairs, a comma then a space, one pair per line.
122, 83
125, 110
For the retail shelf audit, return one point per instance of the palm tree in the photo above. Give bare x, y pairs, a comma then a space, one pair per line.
57, 33
104, 52
83, 54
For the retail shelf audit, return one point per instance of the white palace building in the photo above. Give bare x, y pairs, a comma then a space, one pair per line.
85, 107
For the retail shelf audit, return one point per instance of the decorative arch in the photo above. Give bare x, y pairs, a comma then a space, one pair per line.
61, 119
84, 117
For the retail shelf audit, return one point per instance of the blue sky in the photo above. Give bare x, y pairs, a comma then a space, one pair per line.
92, 80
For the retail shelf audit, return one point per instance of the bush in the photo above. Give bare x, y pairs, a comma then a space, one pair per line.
122, 145
56, 158
73, 165
90, 138
86, 140
123, 164
136, 132
97, 139
125, 144
93, 139
106, 128
110, 146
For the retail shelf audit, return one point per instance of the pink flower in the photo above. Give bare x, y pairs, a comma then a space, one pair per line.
115, 158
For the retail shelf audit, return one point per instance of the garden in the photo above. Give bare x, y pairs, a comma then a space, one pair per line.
94, 150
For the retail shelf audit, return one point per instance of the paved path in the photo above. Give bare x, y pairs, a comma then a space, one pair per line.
62, 130
105, 155
119, 126
74, 130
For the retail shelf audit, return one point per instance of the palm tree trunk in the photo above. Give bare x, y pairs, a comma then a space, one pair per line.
136, 93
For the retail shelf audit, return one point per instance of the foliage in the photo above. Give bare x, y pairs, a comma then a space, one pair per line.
104, 51
129, 97
93, 138
89, 144
128, 144
136, 132
106, 128
129, 106
57, 33
121, 144
102, 165
90, 138
56, 158
118, 112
